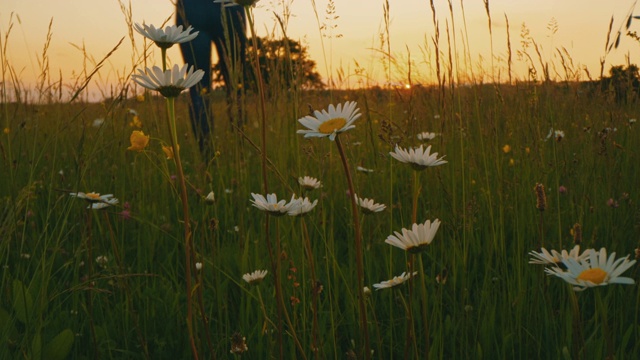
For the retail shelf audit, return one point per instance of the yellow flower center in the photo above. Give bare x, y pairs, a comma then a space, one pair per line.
330, 126
92, 196
595, 275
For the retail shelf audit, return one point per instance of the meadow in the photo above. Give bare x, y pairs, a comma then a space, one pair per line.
529, 164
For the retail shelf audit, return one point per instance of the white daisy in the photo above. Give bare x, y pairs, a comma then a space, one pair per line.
97, 122
309, 183
332, 122
171, 82
165, 38
368, 205
103, 204
416, 239
544, 257
210, 198
425, 136
271, 204
255, 277
364, 169
92, 197
300, 206
102, 260
418, 158
594, 270
397, 280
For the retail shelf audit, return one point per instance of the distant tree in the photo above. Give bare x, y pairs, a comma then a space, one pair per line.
284, 63
622, 82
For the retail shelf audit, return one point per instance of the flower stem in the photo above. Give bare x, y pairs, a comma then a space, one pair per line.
578, 337
96, 351
274, 258
606, 332
410, 338
187, 221
263, 112
423, 289
425, 308
315, 291
416, 194
359, 257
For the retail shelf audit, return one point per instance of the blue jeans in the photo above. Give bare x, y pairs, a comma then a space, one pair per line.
225, 27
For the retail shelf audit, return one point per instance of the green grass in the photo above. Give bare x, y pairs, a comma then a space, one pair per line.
492, 305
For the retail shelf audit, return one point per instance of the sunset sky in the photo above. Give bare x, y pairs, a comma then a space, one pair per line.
98, 25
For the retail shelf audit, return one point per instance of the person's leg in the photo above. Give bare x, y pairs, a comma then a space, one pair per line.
231, 42
197, 53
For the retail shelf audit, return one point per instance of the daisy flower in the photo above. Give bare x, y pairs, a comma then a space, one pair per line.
171, 82
300, 206
102, 260
92, 197
416, 239
544, 257
271, 205
309, 183
97, 122
426, 136
104, 204
165, 38
369, 206
332, 122
364, 169
255, 277
595, 270
210, 198
397, 280
418, 158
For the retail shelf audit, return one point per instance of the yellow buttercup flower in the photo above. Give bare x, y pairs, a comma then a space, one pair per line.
168, 151
135, 122
139, 141
506, 149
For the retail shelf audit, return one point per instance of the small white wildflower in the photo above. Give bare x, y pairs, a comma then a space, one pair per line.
210, 198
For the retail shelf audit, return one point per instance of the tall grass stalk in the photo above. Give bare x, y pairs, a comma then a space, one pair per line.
188, 241
274, 258
359, 254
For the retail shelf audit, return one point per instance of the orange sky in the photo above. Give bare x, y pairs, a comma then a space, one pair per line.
98, 25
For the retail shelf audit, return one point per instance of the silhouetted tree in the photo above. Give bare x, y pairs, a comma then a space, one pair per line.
622, 82
284, 63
